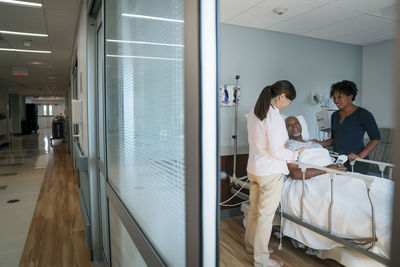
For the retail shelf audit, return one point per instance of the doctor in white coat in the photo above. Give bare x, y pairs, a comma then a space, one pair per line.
268, 158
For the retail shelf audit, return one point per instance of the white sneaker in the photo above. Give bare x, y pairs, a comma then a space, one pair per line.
251, 252
273, 263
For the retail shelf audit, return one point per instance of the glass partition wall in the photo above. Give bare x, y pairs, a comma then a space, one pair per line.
144, 88
150, 180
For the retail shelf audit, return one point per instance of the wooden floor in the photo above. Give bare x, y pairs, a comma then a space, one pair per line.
56, 235
232, 251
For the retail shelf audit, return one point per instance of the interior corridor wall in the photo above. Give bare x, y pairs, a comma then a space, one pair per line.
17, 112
4, 122
378, 74
262, 57
81, 55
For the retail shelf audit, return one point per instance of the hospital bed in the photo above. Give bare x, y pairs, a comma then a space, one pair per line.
353, 236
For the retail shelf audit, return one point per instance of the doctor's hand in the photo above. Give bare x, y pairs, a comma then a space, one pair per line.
287, 144
353, 157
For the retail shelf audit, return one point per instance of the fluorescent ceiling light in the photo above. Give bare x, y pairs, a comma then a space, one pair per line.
23, 50
149, 17
158, 58
21, 3
24, 33
146, 43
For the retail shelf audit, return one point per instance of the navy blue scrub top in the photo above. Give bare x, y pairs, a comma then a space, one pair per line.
348, 136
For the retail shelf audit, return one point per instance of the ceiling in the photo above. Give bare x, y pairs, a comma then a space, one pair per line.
359, 22
47, 74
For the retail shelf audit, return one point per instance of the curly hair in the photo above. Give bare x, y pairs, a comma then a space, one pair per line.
345, 87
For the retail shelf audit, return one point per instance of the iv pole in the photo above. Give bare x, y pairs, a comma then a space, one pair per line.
234, 136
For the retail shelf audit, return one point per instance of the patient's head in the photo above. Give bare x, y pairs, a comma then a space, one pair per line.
294, 129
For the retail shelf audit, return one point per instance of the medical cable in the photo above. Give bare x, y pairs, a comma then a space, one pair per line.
232, 205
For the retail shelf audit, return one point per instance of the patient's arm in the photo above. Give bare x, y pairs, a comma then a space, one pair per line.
296, 173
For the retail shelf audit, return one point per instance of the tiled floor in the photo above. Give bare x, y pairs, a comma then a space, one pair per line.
22, 167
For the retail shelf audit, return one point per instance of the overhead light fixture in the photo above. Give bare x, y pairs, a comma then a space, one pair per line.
21, 3
36, 63
25, 51
280, 10
24, 33
141, 57
149, 17
139, 42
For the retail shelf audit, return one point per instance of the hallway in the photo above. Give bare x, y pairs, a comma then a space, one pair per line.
44, 228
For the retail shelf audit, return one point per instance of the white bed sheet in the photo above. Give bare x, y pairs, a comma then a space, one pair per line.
351, 210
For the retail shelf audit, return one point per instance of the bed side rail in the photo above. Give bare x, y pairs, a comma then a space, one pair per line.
332, 173
381, 165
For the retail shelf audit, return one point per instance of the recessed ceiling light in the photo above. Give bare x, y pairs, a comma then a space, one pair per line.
21, 3
36, 63
280, 10
25, 51
24, 33
50, 78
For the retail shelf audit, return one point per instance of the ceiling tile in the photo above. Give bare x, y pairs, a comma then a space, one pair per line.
324, 1
389, 12
17, 42
322, 17
230, 8
378, 33
69, 5
363, 6
290, 28
62, 32
351, 26
22, 19
262, 16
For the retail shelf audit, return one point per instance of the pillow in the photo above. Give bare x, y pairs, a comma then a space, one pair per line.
305, 134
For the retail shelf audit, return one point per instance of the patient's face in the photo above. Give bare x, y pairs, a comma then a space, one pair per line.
293, 127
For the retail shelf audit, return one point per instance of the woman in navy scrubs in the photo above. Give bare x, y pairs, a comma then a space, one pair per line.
348, 126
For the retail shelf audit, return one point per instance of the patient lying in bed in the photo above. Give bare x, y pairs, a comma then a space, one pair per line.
294, 132
351, 208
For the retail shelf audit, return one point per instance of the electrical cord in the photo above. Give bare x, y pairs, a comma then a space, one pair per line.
232, 205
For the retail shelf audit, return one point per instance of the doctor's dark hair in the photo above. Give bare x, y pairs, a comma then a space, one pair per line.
344, 87
271, 91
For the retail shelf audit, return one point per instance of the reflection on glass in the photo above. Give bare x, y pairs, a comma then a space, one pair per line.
144, 110
125, 253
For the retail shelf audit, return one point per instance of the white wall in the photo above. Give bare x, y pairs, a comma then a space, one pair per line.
262, 57
81, 55
378, 71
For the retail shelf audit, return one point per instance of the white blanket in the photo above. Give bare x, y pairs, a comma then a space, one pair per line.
351, 210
